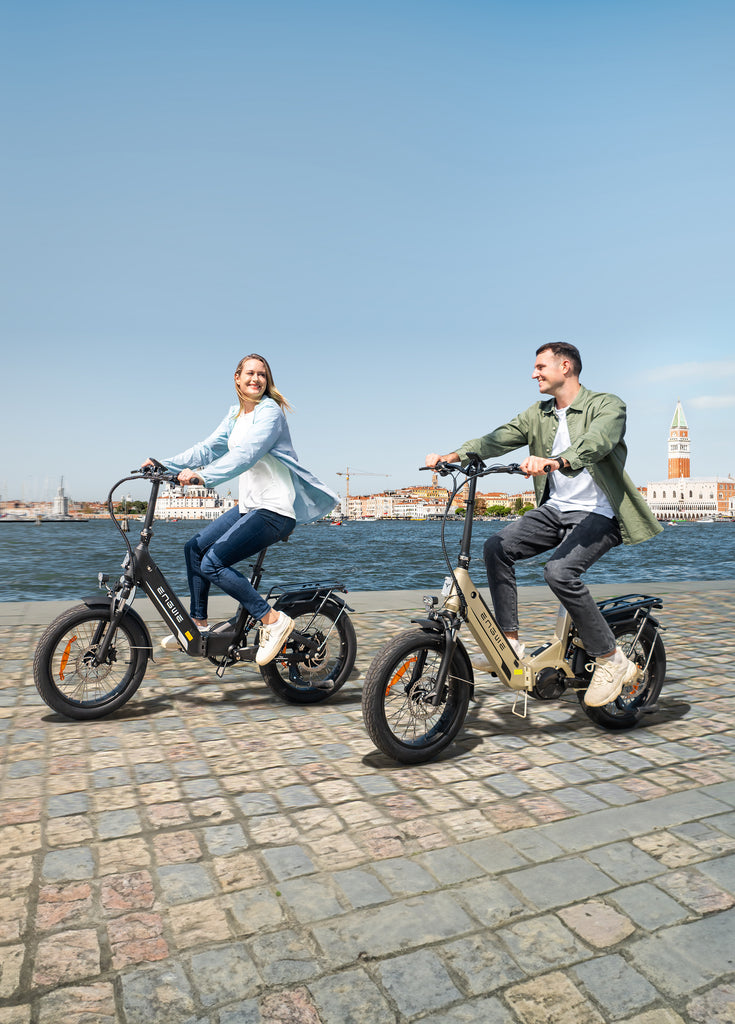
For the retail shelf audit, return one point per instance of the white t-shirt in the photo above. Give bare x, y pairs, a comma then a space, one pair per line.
268, 483
577, 493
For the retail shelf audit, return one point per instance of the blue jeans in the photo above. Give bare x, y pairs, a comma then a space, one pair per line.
211, 554
580, 538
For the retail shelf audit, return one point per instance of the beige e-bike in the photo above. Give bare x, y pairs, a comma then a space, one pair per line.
418, 687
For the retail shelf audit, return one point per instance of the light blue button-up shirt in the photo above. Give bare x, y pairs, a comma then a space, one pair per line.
216, 463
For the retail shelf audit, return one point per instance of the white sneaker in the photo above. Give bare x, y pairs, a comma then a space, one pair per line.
518, 647
273, 637
171, 643
480, 662
610, 676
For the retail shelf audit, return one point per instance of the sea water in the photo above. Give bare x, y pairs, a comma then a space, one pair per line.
60, 561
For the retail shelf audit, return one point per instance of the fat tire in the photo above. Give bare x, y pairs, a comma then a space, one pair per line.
64, 680
629, 708
393, 720
295, 684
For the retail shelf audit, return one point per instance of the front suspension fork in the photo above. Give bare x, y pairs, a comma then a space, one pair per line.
118, 607
451, 631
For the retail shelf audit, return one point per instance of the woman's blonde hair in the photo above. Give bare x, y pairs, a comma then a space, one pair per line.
270, 388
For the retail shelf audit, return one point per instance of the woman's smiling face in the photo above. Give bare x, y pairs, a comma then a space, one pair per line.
251, 380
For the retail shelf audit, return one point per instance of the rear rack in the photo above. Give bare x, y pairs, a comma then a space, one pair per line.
307, 588
628, 602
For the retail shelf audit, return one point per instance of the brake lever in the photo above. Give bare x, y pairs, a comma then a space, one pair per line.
443, 468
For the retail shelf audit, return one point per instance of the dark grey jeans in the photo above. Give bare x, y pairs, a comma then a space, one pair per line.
580, 538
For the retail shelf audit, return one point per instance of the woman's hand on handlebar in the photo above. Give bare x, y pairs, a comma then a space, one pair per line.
188, 478
152, 463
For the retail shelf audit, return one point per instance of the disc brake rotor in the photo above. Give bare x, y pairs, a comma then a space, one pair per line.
86, 668
418, 702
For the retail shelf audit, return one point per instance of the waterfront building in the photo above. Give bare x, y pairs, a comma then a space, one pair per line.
432, 494
394, 505
679, 446
426, 502
61, 502
491, 498
682, 496
192, 503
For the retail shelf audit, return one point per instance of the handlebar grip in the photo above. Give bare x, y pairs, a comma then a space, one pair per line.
443, 468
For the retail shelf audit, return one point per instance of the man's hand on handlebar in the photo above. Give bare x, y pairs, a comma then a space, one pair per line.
534, 465
432, 460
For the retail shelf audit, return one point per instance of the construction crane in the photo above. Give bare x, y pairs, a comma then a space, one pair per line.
354, 472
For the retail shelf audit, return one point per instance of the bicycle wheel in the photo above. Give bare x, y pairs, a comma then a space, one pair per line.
648, 653
63, 669
303, 677
395, 708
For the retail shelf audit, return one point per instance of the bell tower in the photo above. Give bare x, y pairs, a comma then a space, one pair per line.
679, 457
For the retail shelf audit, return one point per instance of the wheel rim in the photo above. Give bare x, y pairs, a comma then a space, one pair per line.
409, 716
322, 665
78, 679
634, 693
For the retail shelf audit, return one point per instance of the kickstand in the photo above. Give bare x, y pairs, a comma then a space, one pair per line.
221, 668
524, 712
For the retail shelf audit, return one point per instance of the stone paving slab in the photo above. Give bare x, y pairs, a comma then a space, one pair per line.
209, 855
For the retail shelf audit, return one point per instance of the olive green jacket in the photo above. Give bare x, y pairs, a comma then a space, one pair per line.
596, 424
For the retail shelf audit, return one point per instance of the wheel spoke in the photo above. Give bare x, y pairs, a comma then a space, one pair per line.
398, 695
65, 668
643, 646
304, 675
76, 676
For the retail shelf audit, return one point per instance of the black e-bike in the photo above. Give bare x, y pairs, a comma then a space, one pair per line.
92, 658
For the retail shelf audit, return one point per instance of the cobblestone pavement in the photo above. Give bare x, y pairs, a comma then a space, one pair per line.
212, 856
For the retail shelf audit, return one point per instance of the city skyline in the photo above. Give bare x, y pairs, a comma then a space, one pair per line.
517, 485
395, 203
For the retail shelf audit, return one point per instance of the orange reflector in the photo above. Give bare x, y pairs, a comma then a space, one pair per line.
400, 673
65, 657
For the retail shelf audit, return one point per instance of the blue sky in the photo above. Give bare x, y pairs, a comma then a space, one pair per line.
395, 202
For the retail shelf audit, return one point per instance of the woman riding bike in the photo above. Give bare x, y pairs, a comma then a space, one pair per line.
252, 443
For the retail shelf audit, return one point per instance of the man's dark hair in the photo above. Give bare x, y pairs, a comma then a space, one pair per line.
565, 351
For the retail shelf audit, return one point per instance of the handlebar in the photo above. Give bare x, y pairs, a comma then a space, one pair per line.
160, 473
475, 467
